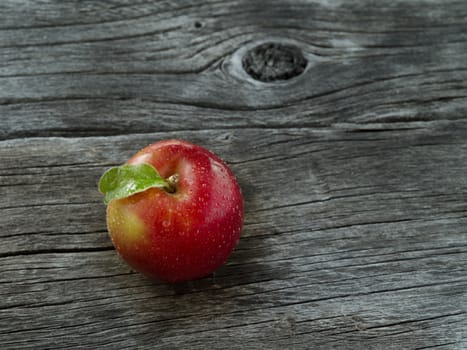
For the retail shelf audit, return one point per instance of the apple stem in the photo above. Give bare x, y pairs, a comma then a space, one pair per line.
171, 183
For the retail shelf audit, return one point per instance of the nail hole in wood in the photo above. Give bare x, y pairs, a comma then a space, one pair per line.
198, 24
274, 61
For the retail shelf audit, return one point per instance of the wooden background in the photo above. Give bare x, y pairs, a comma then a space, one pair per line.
354, 172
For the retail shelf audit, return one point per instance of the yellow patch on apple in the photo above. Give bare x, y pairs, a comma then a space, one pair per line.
127, 226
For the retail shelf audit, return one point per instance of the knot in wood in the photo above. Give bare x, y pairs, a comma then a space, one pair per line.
274, 61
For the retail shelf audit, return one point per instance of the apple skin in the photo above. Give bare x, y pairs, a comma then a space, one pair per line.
183, 235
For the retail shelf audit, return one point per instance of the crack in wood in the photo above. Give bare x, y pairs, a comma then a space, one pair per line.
55, 251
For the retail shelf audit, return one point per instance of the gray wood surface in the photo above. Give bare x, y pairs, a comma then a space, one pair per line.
353, 172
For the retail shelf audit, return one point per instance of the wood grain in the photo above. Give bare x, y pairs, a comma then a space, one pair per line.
353, 173
119, 67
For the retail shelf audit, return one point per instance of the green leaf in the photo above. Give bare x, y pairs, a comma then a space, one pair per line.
125, 180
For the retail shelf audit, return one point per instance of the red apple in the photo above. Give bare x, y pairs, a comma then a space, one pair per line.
181, 225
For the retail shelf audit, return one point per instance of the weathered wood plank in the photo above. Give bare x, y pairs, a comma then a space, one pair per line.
164, 37
132, 67
372, 243
127, 311
312, 169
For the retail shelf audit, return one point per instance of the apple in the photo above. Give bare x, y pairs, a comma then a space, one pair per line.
175, 210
